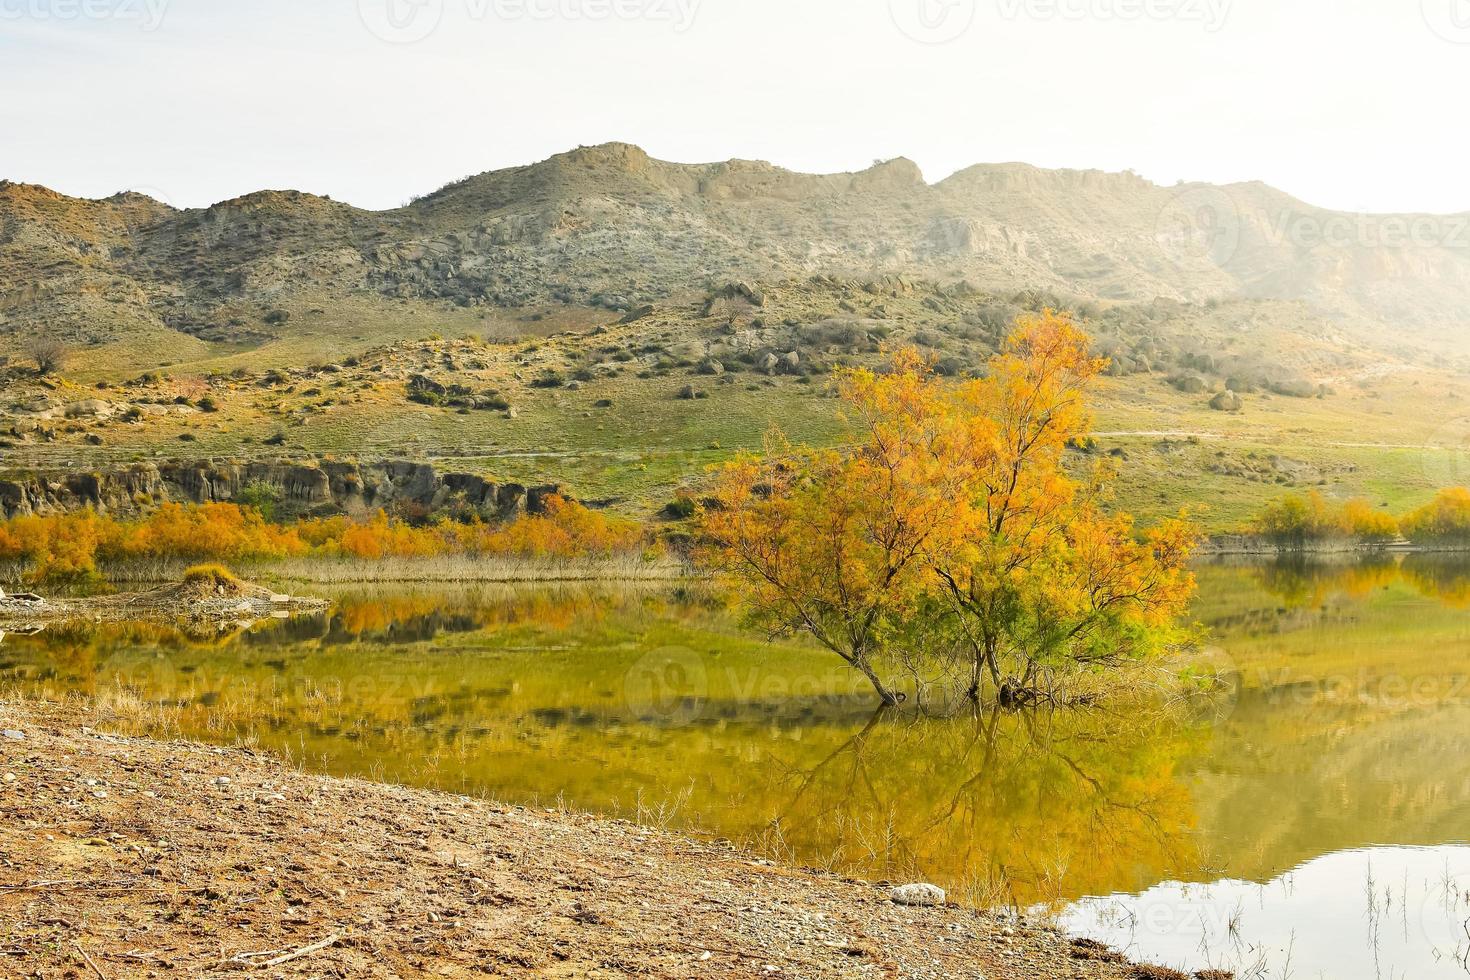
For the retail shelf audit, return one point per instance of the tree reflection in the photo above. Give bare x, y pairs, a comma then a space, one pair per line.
1305, 582
1009, 807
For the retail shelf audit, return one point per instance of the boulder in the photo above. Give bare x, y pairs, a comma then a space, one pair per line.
919, 894
1227, 401
1190, 384
423, 384
1295, 388
93, 408
747, 291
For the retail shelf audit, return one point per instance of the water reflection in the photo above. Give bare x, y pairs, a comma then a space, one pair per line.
1345, 728
1379, 912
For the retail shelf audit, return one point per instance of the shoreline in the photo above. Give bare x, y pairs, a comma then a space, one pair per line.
1245, 546
466, 570
137, 857
455, 569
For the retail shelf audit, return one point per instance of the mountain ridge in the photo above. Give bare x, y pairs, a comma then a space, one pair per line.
611, 227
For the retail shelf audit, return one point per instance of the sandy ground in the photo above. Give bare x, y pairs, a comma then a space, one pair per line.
126, 857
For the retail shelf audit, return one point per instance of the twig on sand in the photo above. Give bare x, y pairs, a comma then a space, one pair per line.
36, 886
90, 962
245, 958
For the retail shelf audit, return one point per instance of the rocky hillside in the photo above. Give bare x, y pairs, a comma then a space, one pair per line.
609, 227
299, 487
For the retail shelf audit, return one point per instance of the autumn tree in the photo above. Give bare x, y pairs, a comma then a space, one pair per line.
1038, 574
952, 515
832, 544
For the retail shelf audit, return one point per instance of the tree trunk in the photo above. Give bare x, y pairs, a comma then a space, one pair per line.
977, 663
888, 697
984, 658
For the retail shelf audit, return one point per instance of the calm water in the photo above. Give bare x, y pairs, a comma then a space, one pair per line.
1307, 822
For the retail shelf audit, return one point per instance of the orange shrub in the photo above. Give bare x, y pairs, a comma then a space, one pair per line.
207, 531
69, 545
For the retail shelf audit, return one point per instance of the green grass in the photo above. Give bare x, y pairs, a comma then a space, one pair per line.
1362, 440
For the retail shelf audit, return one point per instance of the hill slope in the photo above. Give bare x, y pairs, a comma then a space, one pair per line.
609, 227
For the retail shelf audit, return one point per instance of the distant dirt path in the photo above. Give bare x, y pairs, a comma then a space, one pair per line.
132, 858
1219, 436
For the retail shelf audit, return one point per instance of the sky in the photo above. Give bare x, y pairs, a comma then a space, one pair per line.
1351, 104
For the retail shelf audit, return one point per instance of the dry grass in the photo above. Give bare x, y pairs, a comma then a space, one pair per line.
463, 568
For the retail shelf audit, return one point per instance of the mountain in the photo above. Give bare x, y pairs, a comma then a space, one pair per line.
610, 227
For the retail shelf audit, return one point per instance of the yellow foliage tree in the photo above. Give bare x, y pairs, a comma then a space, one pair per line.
832, 544
953, 515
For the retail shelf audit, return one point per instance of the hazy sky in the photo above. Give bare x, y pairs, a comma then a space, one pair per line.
1354, 104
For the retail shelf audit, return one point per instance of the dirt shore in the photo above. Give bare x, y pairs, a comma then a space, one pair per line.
127, 857
205, 599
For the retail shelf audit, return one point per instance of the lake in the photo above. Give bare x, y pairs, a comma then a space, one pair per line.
1308, 820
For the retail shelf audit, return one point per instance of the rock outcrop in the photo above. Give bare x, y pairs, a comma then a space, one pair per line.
304, 487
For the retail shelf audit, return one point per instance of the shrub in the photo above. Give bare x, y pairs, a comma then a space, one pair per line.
49, 354
1362, 521
69, 547
1296, 521
1446, 519
212, 577
260, 496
